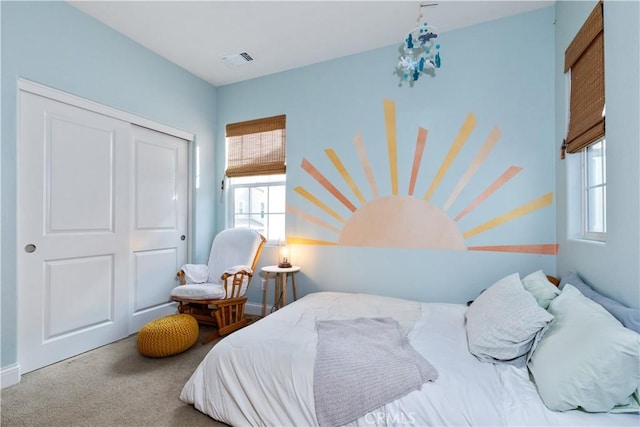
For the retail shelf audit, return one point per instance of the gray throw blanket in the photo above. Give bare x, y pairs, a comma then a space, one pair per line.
361, 365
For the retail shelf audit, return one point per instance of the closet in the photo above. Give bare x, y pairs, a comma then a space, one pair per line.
102, 224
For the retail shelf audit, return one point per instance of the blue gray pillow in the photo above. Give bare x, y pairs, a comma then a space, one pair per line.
504, 322
629, 317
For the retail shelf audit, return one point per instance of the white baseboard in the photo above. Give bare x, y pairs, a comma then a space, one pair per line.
255, 308
10, 375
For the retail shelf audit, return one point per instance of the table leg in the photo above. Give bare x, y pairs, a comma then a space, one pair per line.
284, 289
276, 296
293, 285
265, 292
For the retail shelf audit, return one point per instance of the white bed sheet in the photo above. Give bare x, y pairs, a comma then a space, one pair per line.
263, 374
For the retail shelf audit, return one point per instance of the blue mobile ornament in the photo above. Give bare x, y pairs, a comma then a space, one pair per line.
419, 52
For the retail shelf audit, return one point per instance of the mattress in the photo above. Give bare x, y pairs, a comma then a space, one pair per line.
263, 374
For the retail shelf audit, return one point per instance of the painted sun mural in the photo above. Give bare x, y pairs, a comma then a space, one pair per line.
411, 220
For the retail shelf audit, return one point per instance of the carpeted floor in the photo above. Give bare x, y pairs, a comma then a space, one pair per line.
110, 386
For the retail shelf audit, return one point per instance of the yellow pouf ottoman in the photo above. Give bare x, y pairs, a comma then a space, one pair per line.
168, 335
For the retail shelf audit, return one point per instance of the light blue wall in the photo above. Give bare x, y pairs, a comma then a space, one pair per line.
55, 44
612, 267
505, 72
502, 71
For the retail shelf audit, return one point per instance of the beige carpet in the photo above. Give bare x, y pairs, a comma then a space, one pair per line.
110, 386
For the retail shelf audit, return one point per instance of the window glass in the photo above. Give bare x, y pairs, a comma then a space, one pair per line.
241, 200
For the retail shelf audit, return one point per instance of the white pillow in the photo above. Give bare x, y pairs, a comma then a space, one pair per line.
586, 359
542, 289
504, 321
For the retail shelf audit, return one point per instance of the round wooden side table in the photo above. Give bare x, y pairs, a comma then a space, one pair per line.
281, 275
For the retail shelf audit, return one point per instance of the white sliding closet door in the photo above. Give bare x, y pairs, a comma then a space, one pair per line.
159, 222
73, 228
102, 211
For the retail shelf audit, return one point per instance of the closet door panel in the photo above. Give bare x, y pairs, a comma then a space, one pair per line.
73, 230
159, 222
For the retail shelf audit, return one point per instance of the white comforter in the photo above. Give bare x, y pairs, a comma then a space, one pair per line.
263, 374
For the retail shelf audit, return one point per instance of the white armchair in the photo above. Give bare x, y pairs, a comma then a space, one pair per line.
215, 293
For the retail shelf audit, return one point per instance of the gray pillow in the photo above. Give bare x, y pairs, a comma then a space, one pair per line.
504, 321
542, 289
629, 317
586, 359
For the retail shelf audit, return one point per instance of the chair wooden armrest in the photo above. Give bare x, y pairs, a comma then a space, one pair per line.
236, 283
181, 276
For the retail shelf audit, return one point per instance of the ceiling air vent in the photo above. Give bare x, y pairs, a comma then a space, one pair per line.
236, 59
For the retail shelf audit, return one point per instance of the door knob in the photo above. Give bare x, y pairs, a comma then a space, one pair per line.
30, 248
183, 237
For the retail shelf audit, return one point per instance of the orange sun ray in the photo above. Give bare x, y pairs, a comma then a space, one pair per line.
345, 175
484, 151
544, 249
502, 179
525, 209
310, 197
312, 219
390, 125
417, 158
368, 171
461, 138
317, 175
304, 241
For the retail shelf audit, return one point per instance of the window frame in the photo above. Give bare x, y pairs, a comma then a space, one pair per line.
585, 186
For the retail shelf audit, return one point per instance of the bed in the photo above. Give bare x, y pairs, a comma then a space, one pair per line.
264, 373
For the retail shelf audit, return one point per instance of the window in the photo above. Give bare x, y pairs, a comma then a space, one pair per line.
258, 202
256, 171
594, 191
584, 63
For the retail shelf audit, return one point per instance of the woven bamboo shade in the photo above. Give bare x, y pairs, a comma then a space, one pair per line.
256, 147
585, 58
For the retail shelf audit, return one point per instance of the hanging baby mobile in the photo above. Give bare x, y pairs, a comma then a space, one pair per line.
420, 51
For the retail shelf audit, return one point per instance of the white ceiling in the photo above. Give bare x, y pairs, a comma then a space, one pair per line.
280, 35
